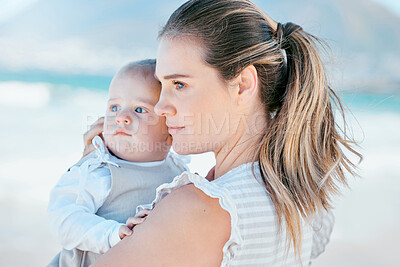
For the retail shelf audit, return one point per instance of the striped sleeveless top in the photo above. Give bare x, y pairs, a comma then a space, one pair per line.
254, 239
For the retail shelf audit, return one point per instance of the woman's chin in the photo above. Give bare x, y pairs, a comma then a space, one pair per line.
187, 148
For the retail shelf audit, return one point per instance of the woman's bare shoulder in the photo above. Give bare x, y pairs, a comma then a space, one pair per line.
183, 227
194, 200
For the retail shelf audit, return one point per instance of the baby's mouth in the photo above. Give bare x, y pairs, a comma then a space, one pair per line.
122, 132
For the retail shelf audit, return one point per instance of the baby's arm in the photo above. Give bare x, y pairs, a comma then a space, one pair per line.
73, 220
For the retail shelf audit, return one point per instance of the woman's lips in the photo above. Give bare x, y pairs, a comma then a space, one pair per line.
174, 130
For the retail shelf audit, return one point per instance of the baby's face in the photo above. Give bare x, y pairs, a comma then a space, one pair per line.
132, 131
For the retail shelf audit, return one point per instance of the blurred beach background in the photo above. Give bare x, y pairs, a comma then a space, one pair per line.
57, 59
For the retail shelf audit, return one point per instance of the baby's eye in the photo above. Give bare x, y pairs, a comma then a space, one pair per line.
114, 108
140, 110
179, 85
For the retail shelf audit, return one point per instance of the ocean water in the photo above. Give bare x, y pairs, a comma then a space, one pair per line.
41, 136
368, 102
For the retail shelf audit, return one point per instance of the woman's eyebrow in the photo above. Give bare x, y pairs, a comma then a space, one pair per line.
173, 76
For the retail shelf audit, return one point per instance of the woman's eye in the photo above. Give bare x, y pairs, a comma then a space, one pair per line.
140, 110
114, 108
179, 85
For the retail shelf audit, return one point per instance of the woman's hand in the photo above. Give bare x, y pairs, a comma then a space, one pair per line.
95, 129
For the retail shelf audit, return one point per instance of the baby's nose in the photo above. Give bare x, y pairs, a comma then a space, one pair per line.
123, 118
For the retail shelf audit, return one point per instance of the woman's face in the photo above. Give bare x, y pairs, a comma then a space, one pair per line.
194, 99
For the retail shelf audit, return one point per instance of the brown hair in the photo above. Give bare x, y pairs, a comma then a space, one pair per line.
301, 157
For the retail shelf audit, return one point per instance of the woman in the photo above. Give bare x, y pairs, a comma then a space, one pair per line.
254, 92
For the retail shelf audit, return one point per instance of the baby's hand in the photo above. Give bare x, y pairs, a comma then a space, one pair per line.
127, 230
138, 218
124, 231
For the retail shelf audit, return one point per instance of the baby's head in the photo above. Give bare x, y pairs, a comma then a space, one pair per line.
132, 131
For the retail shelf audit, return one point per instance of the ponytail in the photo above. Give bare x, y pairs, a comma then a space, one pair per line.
301, 156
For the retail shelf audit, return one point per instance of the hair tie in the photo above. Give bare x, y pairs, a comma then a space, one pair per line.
284, 31
289, 28
279, 34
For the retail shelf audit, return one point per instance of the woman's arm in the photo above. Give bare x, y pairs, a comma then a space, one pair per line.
187, 228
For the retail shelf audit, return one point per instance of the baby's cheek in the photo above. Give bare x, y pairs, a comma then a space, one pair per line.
149, 133
160, 132
108, 140
154, 127
108, 125
156, 121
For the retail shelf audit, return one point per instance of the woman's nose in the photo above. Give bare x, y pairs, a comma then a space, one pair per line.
164, 107
123, 118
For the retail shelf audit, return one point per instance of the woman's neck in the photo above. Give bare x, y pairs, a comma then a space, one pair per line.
241, 147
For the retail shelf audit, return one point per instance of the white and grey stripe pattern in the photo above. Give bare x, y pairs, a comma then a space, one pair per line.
254, 240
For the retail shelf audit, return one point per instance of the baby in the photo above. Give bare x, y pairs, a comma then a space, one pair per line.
93, 200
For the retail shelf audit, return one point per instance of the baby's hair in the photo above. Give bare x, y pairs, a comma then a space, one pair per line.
145, 67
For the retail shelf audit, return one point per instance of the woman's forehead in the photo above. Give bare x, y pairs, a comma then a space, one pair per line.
178, 56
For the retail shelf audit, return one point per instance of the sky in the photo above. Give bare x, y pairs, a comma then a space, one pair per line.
11, 8
393, 5
40, 34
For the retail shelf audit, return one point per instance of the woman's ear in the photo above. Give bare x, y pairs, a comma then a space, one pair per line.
248, 85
